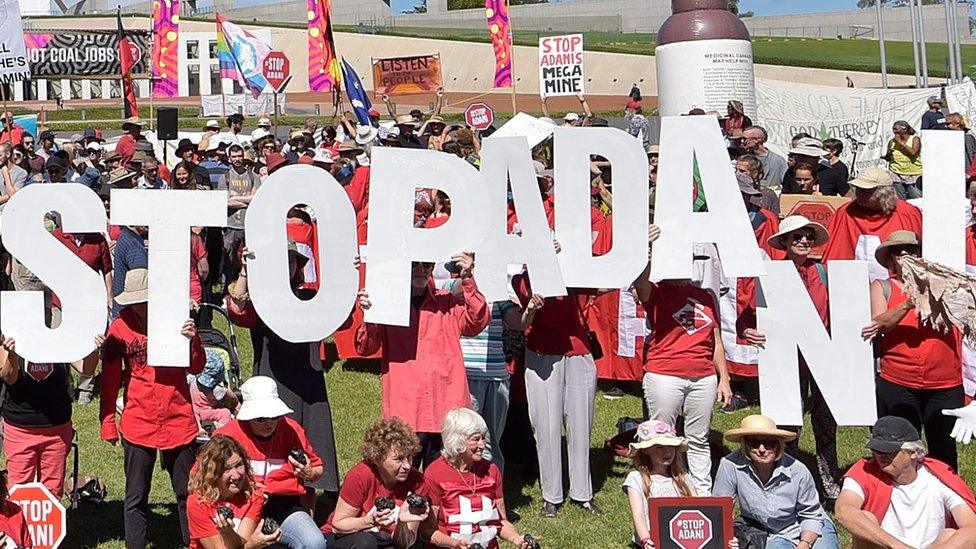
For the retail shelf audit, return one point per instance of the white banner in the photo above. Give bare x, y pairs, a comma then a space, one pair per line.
14, 66
561, 65
263, 105
849, 114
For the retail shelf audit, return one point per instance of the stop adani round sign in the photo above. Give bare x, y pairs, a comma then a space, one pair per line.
690, 523
43, 513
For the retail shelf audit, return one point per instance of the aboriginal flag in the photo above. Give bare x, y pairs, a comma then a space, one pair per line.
130, 108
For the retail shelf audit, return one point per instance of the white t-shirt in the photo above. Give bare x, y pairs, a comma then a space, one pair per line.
917, 512
660, 488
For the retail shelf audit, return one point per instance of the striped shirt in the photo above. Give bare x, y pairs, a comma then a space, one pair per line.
484, 354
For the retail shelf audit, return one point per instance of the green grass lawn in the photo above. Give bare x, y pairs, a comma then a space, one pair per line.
355, 394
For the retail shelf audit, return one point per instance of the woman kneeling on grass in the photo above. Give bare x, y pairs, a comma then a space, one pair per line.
221, 481
659, 472
374, 508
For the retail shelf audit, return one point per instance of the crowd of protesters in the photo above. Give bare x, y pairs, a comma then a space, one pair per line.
461, 382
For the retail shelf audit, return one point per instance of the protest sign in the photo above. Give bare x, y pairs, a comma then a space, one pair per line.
216, 105
942, 240
44, 515
561, 65
690, 523
479, 116
406, 75
848, 114
84, 54
817, 208
525, 125
13, 57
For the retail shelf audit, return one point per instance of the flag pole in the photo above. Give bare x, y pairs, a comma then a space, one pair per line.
511, 39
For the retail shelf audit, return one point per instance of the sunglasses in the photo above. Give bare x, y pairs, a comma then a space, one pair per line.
757, 442
268, 146
264, 419
810, 236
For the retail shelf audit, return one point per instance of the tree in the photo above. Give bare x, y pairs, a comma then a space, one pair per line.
749, 13
734, 6
863, 4
421, 7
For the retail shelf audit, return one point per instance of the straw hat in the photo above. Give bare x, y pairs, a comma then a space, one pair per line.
656, 433
119, 175
350, 146
758, 426
260, 399
809, 146
132, 121
871, 178
365, 134
405, 120
895, 239
136, 289
795, 223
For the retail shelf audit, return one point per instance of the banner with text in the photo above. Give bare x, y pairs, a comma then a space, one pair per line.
84, 54
851, 115
561, 65
13, 58
406, 75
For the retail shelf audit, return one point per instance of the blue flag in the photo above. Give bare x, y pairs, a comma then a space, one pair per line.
357, 96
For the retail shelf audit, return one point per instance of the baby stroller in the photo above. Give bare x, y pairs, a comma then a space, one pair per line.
215, 341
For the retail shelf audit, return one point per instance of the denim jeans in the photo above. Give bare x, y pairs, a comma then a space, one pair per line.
490, 399
827, 540
299, 531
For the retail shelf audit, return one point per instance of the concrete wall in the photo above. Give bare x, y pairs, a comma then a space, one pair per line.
859, 23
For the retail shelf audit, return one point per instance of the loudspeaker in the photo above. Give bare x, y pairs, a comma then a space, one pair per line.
167, 123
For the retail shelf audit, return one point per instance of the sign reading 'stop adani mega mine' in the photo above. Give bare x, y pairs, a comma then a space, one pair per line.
83, 54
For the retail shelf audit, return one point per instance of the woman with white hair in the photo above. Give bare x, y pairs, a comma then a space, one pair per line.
465, 489
777, 495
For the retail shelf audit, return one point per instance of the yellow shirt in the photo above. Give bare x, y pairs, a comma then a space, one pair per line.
901, 164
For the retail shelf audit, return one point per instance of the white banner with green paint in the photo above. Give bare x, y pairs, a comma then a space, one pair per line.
849, 114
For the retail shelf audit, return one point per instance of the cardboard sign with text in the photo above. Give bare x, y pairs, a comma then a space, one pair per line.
407, 75
561, 65
813, 207
690, 523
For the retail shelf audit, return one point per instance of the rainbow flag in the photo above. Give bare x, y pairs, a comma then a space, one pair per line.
324, 70
241, 56
501, 40
165, 53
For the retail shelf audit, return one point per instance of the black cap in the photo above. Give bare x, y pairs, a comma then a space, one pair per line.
890, 432
46, 134
185, 144
416, 113
90, 133
56, 160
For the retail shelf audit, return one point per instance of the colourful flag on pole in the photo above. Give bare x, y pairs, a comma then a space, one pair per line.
698, 193
501, 41
241, 56
324, 71
166, 48
357, 96
130, 106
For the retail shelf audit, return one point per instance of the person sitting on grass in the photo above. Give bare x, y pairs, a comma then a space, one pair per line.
13, 525
899, 498
777, 495
221, 479
659, 472
385, 472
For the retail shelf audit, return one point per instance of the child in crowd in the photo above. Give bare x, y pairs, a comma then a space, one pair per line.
212, 402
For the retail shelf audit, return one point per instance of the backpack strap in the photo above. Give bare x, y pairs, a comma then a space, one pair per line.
822, 271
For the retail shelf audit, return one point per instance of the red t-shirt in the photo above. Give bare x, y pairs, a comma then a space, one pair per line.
200, 515
362, 486
558, 328
13, 524
198, 251
918, 356
269, 458
466, 500
684, 320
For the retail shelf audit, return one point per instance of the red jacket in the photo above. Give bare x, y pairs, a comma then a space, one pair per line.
852, 221
877, 486
126, 147
269, 458
157, 412
423, 370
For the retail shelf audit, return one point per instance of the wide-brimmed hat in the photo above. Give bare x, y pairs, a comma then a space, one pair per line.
657, 433
259, 134
94, 146
120, 174
737, 106
350, 146
185, 145
132, 121
274, 161
795, 223
758, 426
136, 289
260, 399
809, 146
436, 120
405, 120
870, 178
295, 134
895, 239
571, 117
323, 156
365, 134
746, 185
654, 149
212, 125
264, 122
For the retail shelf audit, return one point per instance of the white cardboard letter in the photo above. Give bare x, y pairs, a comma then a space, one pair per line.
841, 363
268, 275
81, 290
502, 159
169, 215
624, 262
725, 224
944, 208
394, 243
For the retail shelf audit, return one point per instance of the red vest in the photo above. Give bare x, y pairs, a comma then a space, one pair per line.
877, 486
